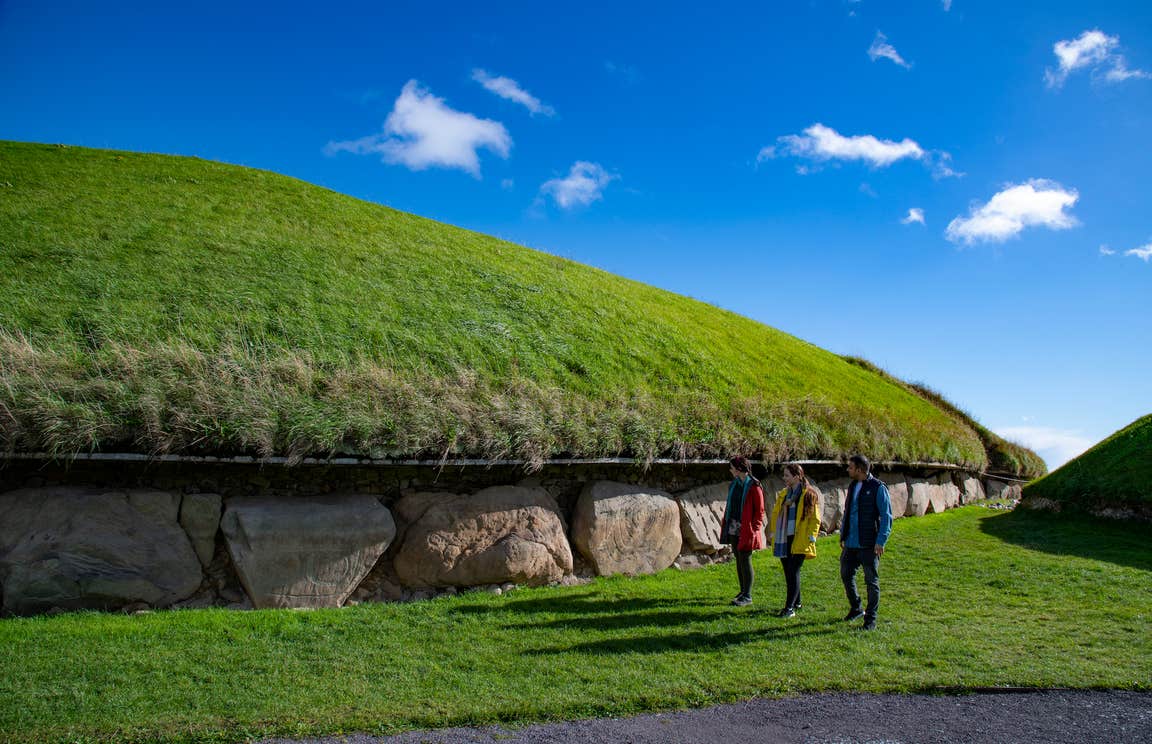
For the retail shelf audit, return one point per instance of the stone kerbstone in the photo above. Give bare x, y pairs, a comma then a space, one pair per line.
626, 529
305, 552
972, 490
897, 493
80, 548
949, 491
701, 510
919, 497
834, 493
499, 535
200, 518
1000, 490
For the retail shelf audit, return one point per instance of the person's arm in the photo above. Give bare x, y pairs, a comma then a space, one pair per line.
884, 507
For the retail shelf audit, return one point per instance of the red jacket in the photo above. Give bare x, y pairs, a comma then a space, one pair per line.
752, 519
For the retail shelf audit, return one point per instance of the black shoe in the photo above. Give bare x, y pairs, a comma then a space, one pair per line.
742, 601
868, 625
787, 612
797, 606
853, 614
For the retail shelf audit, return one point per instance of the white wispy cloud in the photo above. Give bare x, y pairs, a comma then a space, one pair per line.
1106, 251
1035, 203
881, 49
509, 89
822, 143
584, 184
915, 214
1056, 446
1143, 252
423, 132
1092, 50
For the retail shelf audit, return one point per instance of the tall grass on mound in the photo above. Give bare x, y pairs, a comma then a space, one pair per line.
971, 598
176, 305
178, 399
1116, 471
1004, 457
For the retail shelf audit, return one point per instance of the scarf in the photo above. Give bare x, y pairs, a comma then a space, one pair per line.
786, 522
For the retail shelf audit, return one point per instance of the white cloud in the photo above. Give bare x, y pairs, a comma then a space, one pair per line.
1093, 50
1036, 203
1056, 446
947, 5
422, 132
882, 49
1144, 252
584, 184
510, 89
915, 214
823, 143
1106, 251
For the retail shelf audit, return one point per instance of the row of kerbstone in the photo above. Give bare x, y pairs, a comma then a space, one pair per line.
75, 548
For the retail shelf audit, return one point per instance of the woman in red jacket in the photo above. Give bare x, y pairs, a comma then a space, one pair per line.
743, 525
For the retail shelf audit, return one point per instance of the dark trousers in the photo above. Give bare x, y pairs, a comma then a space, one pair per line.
744, 572
866, 558
791, 566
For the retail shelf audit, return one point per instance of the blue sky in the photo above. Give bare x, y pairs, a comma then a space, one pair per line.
764, 157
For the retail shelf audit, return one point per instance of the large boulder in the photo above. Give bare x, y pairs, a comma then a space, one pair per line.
701, 510
897, 493
833, 495
998, 490
944, 495
200, 518
919, 497
626, 529
971, 490
499, 535
81, 548
305, 552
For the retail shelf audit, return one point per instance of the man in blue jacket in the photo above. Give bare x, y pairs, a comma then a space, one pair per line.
863, 534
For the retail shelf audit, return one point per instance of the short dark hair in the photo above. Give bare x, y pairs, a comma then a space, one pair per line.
861, 462
740, 463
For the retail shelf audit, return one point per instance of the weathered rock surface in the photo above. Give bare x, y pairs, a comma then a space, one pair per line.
501, 534
305, 552
200, 518
971, 490
701, 510
1000, 490
919, 497
832, 504
81, 548
950, 492
626, 529
897, 493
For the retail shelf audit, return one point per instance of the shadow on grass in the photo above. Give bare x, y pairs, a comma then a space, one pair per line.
623, 620
1112, 541
702, 642
586, 603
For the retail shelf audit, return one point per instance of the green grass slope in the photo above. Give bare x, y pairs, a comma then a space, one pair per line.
163, 304
1116, 471
972, 598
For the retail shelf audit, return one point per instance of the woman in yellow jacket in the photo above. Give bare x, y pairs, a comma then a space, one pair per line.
793, 529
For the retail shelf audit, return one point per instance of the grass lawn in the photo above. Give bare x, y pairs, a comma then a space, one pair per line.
971, 597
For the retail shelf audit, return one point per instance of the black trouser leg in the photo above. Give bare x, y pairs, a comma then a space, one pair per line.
792, 565
848, 565
744, 572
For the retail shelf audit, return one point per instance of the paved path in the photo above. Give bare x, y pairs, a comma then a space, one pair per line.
1052, 716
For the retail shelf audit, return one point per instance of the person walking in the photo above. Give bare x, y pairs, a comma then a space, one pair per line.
743, 525
863, 535
794, 527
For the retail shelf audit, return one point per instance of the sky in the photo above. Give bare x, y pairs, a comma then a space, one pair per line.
956, 190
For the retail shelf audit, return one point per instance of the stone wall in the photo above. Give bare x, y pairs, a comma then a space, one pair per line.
134, 535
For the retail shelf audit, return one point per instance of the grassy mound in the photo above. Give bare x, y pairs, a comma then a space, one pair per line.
972, 598
1116, 471
162, 304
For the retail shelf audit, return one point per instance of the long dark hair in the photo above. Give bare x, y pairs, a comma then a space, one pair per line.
808, 491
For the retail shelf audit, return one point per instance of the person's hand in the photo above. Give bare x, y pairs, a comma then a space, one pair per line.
879, 550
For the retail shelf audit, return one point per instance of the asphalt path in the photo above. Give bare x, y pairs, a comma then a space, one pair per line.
841, 718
